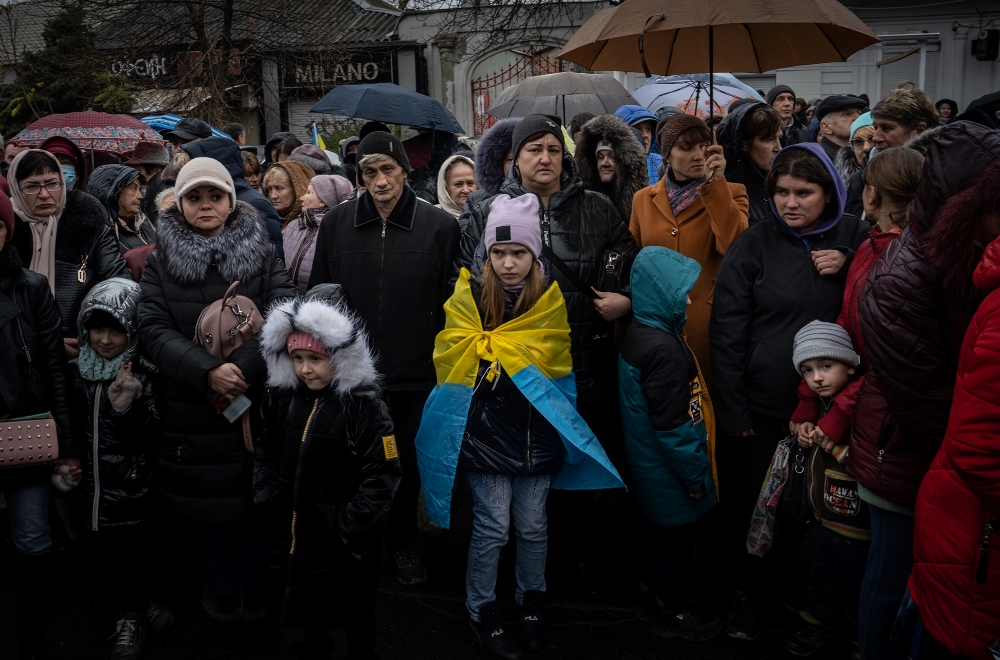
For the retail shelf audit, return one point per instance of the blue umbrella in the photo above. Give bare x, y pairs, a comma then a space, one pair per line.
167, 122
388, 103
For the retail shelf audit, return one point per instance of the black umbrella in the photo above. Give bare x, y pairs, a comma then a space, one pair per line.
563, 94
389, 103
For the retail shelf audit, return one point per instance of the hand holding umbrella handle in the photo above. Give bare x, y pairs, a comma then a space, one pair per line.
715, 163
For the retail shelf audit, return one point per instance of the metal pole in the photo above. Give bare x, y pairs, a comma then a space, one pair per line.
711, 77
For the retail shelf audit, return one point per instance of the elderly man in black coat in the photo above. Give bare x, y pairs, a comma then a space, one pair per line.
393, 254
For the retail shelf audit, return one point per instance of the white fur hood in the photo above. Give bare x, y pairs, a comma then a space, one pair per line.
335, 326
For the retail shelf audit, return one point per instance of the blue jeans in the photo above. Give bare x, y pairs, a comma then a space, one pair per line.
494, 497
890, 559
29, 518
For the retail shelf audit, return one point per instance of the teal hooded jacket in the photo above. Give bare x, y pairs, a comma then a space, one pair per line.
666, 413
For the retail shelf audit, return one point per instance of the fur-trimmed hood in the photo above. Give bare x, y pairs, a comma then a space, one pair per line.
630, 157
239, 252
922, 142
491, 152
847, 163
335, 326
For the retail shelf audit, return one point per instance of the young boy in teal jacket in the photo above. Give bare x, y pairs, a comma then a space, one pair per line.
669, 437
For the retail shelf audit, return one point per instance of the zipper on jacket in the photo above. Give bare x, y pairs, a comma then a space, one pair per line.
97, 470
301, 254
527, 444
546, 230
381, 279
81, 274
298, 471
984, 550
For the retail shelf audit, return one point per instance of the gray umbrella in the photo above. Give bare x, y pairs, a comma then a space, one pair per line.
563, 94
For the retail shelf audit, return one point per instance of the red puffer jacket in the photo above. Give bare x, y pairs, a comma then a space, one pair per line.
961, 493
912, 330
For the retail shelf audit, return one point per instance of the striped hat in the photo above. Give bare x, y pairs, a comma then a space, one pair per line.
823, 340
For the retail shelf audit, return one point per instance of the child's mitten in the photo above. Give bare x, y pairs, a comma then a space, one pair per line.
62, 480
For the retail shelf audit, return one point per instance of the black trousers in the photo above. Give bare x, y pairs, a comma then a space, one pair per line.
836, 571
668, 562
122, 555
406, 409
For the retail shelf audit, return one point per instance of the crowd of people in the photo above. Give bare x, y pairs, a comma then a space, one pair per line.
301, 356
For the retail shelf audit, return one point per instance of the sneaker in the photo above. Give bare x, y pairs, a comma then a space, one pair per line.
742, 620
409, 569
158, 618
489, 635
808, 641
685, 624
130, 636
809, 618
532, 623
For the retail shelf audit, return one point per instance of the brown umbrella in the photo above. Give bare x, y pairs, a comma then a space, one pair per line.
668, 37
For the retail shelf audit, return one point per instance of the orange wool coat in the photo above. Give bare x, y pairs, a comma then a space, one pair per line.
703, 232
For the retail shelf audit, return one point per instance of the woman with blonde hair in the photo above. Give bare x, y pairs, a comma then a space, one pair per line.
284, 185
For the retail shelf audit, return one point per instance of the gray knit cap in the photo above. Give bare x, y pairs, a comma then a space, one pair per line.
823, 340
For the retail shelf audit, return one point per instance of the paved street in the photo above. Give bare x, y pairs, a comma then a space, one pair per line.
426, 622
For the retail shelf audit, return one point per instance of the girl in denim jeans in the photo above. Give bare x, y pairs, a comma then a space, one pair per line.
504, 356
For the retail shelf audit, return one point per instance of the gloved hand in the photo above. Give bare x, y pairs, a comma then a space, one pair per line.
125, 389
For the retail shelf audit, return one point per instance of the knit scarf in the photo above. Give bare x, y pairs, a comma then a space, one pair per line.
43, 228
95, 368
681, 195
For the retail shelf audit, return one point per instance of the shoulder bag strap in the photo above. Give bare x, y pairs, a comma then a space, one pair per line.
570, 274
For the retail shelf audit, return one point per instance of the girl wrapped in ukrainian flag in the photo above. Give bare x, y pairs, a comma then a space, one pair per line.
504, 412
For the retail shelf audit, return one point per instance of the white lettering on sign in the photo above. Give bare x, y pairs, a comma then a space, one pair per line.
317, 74
144, 68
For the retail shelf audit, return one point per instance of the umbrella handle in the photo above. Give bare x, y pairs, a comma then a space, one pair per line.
711, 79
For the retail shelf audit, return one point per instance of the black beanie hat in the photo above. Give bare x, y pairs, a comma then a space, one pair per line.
101, 319
386, 144
533, 125
773, 93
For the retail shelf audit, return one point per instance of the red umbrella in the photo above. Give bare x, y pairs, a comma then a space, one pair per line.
96, 131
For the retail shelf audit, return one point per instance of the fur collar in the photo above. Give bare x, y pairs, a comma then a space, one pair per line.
335, 326
630, 156
239, 252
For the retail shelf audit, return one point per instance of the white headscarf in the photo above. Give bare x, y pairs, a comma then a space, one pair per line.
445, 202
43, 228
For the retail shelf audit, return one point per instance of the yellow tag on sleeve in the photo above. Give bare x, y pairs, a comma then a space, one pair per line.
389, 445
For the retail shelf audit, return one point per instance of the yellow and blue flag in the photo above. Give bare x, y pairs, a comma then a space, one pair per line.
317, 138
534, 349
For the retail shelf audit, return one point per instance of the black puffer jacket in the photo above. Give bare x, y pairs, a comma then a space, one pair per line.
396, 274
41, 386
740, 168
631, 175
504, 433
106, 185
84, 241
117, 446
204, 468
326, 466
583, 225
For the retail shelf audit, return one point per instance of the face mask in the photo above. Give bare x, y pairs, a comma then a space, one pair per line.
69, 173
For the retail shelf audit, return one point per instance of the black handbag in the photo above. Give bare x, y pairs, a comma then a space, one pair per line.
794, 504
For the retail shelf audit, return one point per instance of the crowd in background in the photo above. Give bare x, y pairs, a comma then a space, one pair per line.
663, 303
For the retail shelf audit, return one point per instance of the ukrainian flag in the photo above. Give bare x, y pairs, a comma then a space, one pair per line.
534, 349
317, 138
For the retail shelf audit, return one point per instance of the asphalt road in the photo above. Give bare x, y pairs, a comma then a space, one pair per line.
425, 622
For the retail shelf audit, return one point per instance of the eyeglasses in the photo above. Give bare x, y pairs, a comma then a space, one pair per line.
857, 143
34, 188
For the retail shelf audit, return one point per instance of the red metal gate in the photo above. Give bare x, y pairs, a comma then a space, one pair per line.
531, 63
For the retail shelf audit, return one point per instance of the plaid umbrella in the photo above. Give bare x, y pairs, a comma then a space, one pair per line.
97, 131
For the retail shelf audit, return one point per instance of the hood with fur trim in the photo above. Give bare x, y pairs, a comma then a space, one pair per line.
491, 152
239, 252
630, 158
332, 324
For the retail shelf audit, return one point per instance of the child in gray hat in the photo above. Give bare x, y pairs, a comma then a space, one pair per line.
840, 534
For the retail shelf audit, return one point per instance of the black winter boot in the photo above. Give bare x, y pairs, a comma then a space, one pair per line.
32, 586
490, 636
229, 633
686, 623
532, 623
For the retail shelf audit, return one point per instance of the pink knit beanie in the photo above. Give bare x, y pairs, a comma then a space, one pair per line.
305, 341
514, 220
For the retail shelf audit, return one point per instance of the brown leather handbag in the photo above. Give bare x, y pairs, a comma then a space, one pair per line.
222, 327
